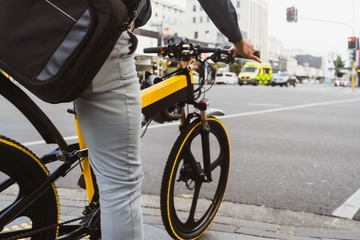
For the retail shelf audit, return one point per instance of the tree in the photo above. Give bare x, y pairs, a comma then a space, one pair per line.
338, 63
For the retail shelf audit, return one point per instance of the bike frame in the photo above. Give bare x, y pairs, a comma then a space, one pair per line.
178, 90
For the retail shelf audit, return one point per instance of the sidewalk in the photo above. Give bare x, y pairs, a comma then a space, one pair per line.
236, 221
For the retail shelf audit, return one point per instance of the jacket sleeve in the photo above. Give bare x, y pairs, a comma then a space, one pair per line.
144, 15
223, 14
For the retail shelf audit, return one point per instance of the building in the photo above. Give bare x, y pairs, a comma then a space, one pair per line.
196, 25
277, 55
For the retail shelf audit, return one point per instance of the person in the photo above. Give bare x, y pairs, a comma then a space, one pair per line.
109, 112
223, 15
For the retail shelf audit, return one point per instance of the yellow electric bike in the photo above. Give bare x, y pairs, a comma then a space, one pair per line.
197, 168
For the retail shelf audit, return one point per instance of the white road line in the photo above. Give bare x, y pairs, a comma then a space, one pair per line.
289, 108
230, 116
42, 141
350, 207
266, 104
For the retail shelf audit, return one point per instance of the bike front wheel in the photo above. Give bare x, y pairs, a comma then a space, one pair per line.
188, 203
21, 172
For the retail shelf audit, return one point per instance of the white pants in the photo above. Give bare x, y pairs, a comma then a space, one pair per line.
110, 113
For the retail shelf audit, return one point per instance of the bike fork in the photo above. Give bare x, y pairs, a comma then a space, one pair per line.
205, 132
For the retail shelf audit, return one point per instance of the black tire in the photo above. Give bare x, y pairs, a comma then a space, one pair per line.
25, 172
189, 219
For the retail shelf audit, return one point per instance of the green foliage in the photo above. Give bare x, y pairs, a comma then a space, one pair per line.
338, 63
236, 68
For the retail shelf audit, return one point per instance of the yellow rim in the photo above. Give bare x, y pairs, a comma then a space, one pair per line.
27, 152
172, 173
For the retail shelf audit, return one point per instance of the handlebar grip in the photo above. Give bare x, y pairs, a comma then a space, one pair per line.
207, 49
153, 49
257, 53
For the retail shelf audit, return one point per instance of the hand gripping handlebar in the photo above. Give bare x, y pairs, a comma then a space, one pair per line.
184, 50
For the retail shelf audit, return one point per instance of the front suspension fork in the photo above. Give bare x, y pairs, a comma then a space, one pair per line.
205, 132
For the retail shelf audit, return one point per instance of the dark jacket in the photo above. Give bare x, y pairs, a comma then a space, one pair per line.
144, 14
221, 12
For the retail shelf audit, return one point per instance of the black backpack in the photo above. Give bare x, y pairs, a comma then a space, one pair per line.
54, 48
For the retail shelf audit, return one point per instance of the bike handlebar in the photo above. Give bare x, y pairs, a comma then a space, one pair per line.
153, 50
184, 50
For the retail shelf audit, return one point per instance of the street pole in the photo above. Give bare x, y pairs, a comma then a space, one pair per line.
353, 72
319, 20
353, 75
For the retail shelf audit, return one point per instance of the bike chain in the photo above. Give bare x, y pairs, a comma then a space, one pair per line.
45, 228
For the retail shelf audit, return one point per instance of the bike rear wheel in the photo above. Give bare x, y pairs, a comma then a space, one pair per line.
21, 172
188, 204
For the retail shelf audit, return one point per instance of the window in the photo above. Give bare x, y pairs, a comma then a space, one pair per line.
249, 69
201, 19
207, 34
194, 8
238, 4
220, 37
194, 19
238, 16
195, 35
207, 19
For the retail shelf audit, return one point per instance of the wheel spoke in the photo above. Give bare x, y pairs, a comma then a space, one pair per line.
6, 184
217, 162
189, 158
191, 219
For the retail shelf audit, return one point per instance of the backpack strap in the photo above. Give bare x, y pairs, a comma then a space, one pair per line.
127, 25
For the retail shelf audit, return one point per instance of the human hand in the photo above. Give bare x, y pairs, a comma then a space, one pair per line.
244, 48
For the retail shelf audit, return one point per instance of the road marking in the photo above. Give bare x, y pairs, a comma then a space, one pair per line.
266, 104
289, 108
42, 141
350, 207
230, 116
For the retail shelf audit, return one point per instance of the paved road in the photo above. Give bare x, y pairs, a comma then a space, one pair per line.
292, 148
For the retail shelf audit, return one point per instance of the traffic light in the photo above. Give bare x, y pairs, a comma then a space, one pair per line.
353, 43
352, 55
291, 14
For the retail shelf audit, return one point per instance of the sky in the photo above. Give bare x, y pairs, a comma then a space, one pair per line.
322, 26
315, 31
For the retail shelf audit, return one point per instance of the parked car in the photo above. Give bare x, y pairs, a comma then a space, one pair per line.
281, 79
292, 80
226, 78
196, 77
340, 82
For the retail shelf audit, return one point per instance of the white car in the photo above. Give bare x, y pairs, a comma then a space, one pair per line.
196, 77
340, 82
280, 79
226, 78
